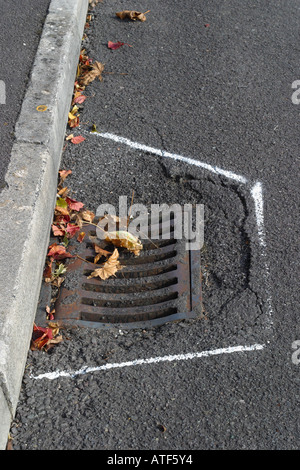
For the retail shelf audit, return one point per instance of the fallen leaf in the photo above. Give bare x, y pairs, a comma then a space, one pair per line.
57, 231
87, 215
74, 205
96, 72
63, 192
109, 268
62, 210
48, 270
40, 337
72, 230
100, 252
58, 252
132, 15
80, 237
78, 139
79, 99
45, 338
73, 117
50, 313
126, 240
116, 45
61, 202
63, 174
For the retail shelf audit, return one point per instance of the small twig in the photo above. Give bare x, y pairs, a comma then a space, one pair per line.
82, 259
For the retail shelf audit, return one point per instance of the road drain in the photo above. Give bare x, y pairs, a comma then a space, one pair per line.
162, 284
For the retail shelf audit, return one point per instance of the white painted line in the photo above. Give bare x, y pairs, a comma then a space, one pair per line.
174, 156
257, 195
151, 360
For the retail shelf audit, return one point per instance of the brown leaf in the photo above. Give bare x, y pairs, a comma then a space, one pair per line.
96, 72
132, 15
80, 237
100, 252
87, 215
109, 268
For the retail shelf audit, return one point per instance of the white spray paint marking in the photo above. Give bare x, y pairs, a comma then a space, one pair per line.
257, 195
174, 156
151, 360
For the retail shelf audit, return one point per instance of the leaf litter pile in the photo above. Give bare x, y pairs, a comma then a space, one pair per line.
70, 215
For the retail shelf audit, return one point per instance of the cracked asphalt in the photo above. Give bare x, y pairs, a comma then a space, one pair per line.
212, 83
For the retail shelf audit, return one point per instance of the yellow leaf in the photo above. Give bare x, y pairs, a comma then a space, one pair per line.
126, 240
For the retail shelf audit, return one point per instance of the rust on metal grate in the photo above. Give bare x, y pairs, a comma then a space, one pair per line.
162, 284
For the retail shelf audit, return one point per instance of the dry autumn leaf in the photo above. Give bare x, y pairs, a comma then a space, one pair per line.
74, 205
109, 268
126, 240
73, 117
100, 252
87, 215
79, 98
80, 237
72, 230
96, 72
45, 338
132, 15
78, 139
63, 174
58, 252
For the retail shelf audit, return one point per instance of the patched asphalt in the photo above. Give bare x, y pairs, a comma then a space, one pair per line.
213, 84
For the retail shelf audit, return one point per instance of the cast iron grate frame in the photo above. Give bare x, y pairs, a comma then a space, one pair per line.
161, 285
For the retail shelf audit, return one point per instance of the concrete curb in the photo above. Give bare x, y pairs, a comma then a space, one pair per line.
27, 202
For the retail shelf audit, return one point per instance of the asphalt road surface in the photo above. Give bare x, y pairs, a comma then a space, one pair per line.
19, 37
211, 82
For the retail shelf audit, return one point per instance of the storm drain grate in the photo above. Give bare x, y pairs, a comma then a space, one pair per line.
162, 284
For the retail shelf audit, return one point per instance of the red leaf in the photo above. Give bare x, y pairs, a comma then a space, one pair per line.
116, 45
78, 139
72, 229
57, 231
74, 205
41, 336
80, 99
58, 252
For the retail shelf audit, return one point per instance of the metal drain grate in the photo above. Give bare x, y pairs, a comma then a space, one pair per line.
162, 284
